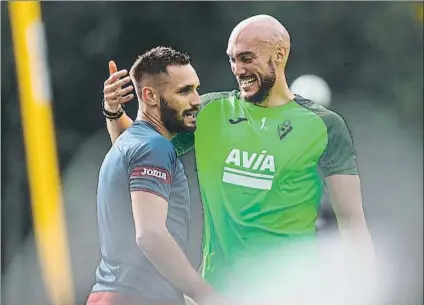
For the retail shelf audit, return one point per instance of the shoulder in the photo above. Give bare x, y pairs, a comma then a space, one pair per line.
142, 140
159, 142
156, 151
208, 98
330, 117
155, 144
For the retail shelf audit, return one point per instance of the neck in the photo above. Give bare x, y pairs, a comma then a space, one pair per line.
280, 94
155, 122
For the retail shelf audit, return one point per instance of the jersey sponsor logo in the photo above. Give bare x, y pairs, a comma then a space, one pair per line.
154, 172
251, 170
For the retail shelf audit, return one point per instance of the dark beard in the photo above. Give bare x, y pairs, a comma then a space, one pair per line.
170, 119
267, 83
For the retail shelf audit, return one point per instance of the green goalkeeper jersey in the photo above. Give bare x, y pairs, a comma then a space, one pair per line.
260, 173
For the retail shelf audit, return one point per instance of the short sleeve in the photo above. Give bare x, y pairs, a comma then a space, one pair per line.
151, 166
339, 156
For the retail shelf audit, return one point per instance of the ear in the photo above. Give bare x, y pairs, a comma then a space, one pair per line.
149, 96
280, 54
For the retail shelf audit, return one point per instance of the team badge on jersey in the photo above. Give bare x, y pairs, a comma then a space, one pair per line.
284, 129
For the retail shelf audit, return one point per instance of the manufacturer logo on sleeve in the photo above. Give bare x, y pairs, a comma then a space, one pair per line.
154, 172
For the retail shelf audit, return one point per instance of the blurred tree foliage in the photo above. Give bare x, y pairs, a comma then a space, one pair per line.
362, 49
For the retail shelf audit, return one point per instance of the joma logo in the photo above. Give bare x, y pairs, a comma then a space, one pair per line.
253, 161
151, 172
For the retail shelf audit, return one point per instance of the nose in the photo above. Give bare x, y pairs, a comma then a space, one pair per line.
195, 102
238, 68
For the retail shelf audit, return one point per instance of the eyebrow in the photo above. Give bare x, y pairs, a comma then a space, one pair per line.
243, 53
186, 88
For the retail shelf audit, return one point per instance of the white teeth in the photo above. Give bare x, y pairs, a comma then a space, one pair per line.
247, 81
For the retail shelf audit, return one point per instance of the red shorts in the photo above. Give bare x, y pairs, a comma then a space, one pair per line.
114, 298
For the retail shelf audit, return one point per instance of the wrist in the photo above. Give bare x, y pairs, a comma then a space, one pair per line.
109, 108
112, 113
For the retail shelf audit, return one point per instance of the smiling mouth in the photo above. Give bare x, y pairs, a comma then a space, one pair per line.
247, 81
191, 114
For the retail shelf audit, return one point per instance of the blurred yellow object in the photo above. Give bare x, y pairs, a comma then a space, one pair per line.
40, 144
420, 11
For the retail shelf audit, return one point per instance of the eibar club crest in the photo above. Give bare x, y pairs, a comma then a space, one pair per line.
284, 129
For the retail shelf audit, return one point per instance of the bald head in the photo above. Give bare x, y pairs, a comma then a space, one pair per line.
263, 29
258, 49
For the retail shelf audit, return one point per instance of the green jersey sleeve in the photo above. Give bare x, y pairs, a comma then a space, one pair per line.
184, 142
339, 156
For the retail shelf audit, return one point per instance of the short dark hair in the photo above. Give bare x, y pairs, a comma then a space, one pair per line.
156, 61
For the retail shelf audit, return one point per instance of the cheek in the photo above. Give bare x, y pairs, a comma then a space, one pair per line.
233, 67
263, 70
181, 103
172, 101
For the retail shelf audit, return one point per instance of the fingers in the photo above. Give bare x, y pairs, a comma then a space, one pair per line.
127, 98
115, 76
125, 91
114, 93
113, 100
120, 95
116, 85
112, 67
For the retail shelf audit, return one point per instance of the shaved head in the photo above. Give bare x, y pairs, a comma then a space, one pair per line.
262, 29
258, 49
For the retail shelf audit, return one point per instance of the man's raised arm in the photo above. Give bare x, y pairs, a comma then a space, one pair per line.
114, 96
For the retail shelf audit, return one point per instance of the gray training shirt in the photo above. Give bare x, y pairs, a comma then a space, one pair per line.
140, 160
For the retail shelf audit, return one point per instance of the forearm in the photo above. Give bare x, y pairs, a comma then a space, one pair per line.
165, 254
356, 236
117, 127
346, 200
355, 231
352, 224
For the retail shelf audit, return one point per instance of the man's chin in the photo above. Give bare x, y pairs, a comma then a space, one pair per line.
189, 124
190, 128
254, 99
186, 128
250, 96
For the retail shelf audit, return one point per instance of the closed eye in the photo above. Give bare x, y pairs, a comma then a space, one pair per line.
185, 89
188, 89
247, 59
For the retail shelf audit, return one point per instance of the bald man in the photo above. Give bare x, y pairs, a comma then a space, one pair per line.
262, 156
